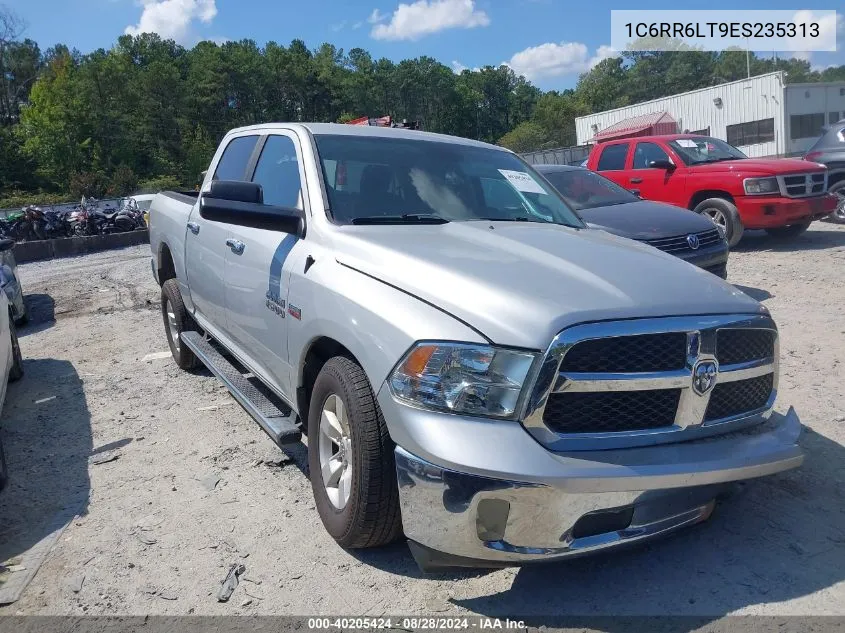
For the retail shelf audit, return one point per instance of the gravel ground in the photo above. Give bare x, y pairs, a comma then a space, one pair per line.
198, 487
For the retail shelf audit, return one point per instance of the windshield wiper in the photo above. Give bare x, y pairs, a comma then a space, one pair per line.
516, 219
407, 218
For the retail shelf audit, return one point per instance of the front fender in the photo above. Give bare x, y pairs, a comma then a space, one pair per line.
377, 323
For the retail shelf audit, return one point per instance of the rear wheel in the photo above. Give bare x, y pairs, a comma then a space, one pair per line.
789, 231
176, 321
724, 214
838, 190
350, 459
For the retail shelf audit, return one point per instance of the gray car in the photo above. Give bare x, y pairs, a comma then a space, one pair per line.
829, 150
605, 205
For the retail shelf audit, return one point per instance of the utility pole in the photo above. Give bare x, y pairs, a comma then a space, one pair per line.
748, 62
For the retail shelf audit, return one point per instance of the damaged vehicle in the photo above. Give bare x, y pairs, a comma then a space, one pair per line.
475, 371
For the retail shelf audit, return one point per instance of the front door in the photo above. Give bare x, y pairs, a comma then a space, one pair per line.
258, 268
652, 183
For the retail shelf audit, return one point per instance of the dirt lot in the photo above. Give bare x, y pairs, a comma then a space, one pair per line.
197, 486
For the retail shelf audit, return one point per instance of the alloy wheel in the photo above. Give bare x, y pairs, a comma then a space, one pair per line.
335, 444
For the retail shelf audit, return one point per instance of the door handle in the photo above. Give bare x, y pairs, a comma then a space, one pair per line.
636, 181
193, 227
236, 245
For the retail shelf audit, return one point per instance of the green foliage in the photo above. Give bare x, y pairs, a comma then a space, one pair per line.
88, 184
13, 199
160, 183
525, 137
148, 114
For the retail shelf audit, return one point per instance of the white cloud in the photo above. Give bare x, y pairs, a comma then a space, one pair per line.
829, 25
172, 19
424, 17
338, 27
357, 25
376, 16
458, 67
553, 60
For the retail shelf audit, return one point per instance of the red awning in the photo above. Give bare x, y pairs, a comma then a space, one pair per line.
645, 124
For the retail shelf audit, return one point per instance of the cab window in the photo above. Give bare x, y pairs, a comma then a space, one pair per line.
647, 152
232, 165
613, 157
277, 172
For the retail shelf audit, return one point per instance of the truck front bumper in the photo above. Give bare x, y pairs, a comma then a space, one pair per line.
764, 212
591, 500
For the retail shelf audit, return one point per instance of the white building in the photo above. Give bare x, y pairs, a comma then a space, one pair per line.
761, 115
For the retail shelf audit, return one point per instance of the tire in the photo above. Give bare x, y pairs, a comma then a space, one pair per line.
838, 215
16, 371
22, 319
791, 230
723, 213
177, 320
370, 516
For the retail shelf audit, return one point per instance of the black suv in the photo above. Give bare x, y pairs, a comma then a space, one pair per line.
829, 150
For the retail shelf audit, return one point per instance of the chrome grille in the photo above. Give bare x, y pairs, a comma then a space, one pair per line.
628, 383
648, 352
734, 398
679, 243
741, 346
803, 185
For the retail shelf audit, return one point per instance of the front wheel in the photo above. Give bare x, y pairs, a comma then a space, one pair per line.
350, 459
176, 321
838, 190
789, 231
724, 214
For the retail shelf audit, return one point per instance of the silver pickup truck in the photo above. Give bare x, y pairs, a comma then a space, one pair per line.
473, 369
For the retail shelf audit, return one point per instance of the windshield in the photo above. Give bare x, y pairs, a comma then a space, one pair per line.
704, 149
386, 180
583, 189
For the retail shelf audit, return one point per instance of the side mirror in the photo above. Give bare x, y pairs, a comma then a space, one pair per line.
662, 164
242, 204
6, 244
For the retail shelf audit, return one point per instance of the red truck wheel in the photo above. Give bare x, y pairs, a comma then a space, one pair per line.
838, 190
724, 214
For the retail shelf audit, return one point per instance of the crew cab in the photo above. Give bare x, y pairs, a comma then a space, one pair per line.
473, 366
708, 176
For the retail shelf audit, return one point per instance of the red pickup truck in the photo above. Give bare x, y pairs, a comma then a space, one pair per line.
709, 176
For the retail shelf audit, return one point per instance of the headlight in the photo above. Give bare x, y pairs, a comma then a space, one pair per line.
462, 378
757, 186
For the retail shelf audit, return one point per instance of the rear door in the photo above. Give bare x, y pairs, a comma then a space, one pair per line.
611, 163
205, 242
663, 185
258, 269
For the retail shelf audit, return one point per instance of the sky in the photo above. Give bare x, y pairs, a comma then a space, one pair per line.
549, 41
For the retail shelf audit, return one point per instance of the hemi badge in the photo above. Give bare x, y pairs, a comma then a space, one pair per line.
295, 312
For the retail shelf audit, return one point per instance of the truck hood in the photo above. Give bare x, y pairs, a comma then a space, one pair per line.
773, 166
519, 284
644, 220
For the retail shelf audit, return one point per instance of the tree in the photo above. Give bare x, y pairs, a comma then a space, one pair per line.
151, 112
525, 137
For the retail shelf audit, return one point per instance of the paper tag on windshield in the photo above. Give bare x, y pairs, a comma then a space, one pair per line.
522, 181
685, 142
